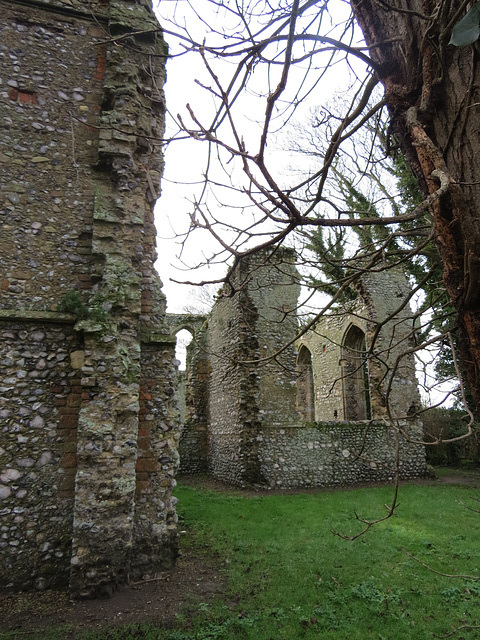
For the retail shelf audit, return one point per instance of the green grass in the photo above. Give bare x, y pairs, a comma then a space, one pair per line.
288, 577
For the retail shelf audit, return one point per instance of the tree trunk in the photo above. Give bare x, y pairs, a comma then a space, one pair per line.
432, 91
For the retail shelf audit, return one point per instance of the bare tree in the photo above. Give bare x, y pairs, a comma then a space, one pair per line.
284, 54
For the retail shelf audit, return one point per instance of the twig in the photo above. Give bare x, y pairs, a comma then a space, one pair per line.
439, 573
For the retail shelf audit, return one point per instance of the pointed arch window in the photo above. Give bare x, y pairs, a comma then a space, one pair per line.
356, 395
305, 389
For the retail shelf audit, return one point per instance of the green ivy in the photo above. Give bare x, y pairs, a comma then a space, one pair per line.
467, 31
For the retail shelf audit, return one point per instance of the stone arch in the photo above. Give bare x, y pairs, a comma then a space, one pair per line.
305, 387
180, 322
183, 336
355, 382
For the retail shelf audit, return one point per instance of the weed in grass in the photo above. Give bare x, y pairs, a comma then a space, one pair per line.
369, 591
451, 594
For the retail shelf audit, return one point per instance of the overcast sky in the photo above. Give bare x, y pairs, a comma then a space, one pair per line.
185, 160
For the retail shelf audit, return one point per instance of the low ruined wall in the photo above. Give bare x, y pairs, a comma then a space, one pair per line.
336, 453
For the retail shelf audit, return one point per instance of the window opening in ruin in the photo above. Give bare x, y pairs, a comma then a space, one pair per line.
305, 389
184, 337
356, 394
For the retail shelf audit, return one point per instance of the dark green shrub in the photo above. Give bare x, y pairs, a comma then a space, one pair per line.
444, 424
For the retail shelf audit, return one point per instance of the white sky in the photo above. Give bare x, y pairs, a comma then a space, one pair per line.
185, 160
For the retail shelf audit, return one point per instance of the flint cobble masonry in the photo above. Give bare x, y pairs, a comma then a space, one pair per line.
89, 426
253, 428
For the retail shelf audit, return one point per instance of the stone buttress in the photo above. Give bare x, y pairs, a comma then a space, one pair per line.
89, 427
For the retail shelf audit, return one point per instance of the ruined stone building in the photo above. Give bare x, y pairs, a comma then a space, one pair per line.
88, 425
267, 410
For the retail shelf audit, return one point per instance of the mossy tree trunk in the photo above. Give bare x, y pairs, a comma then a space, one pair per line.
432, 91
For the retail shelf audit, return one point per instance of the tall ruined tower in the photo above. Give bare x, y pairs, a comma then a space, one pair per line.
88, 426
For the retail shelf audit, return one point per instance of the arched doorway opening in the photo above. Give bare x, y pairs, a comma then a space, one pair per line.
184, 337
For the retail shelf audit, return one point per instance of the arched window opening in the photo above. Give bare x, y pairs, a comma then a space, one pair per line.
184, 337
305, 390
356, 395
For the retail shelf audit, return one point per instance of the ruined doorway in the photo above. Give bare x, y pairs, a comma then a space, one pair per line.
305, 387
356, 396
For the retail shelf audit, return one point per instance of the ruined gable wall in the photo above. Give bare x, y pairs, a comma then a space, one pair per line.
256, 435
83, 126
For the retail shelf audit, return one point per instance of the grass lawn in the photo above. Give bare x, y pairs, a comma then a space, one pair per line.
288, 577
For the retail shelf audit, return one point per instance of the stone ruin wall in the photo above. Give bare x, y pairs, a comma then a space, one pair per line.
192, 393
384, 295
245, 391
324, 343
256, 435
88, 424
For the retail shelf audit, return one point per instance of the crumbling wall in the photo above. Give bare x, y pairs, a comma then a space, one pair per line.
258, 433
81, 308
249, 388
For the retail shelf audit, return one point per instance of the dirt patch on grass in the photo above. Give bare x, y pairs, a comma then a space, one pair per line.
158, 600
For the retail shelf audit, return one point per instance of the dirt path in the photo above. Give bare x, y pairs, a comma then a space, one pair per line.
157, 600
